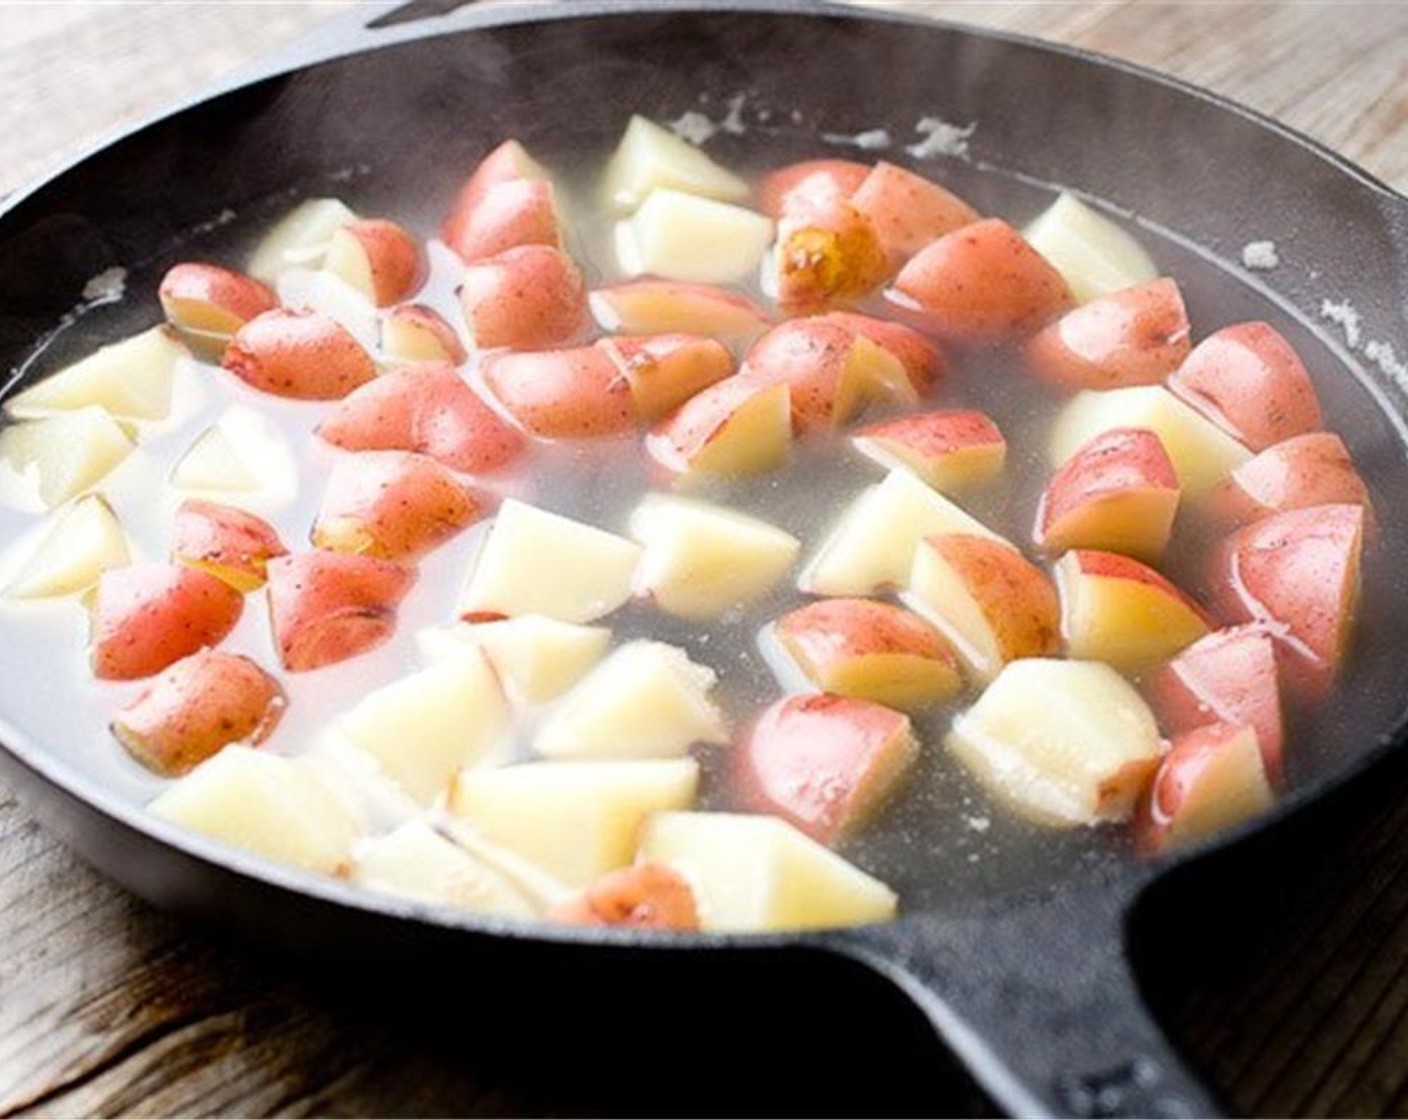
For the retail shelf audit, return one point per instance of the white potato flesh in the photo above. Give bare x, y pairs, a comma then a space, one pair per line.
650, 157
536, 562
1231, 787
283, 809
536, 658
872, 546
300, 239
417, 862
424, 727
1202, 453
131, 379
1096, 256
682, 237
51, 460
757, 873
702, 561
647, 700
1061, 743
82, 541
575, 820
213, 464
334, 297
243, 453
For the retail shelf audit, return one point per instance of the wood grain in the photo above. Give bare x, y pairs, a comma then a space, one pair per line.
107, 1008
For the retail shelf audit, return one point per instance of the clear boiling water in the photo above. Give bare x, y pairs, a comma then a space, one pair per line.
940, 840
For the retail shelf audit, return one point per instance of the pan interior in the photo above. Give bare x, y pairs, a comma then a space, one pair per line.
394, 132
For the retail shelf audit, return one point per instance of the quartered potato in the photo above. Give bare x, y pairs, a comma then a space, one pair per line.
417, 862
681, 236
300, 239
649, 158
51, 460
83, 540
131, 380
535, 657
1096, 256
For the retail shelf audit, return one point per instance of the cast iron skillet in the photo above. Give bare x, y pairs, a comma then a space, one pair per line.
1023, 970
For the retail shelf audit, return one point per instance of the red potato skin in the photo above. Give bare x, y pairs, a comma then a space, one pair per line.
298, 354
665, 370
562, 394
236, 544
922, 358
1135, 337
813, 182
908, 211
676, 440
425, 407
1310, 470
1179, 773
1112, 463
936, 434
812, 759
1019, 598
1249, 381
827, 254
981, 283
1298, 573
234, 296
737, 315
527, 298
503, 165
831, 631
505, 215
1230, 676
433, 324
394, 257
646, 896
199, 705
325, 607
395, 505
809, 355
147, 616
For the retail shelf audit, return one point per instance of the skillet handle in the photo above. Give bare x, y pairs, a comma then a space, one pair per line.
1040, 1003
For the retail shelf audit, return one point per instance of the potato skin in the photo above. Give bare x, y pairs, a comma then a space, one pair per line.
325, 607
923, 358
645, 896
438, 341
809, 183
563, 394
231, 544
225, 300
530, 297
300, 354
908, 210
808, 355
393, 256
827, 254
665, 370
1309, 470
504, 215
147, 616
982, 283
197, 706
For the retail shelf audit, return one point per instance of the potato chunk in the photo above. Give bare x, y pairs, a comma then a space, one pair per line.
425, 726
755, 873
132, 379
300, 238
702, 561
576, 820
284, 809
82, 541
536, 562
1096, 256
679, 236
417, 862
536, 658
1060, 743
649, 157
57, 458
647, 700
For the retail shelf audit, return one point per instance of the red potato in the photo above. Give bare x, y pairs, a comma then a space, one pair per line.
665, 370
824, 763
199, 705
531, 297
1116, 610
908, 211
299, 354
508, 162
644, 896
1135, 337
1118, 493
982, 283
325, 607
562, 394
830, 371
922, 358
228, 543
1212, 778
948, 450
662, 306
1227, 677
732, 429
1249, 381
813, 182
208, 299
988, 599
827, 254
416, 333
377, 257
426, 408
146, 616
871, 651
505, 215
1298, 572
1310, 470
391, 504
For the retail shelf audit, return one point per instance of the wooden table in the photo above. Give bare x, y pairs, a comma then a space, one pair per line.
1297, 1005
